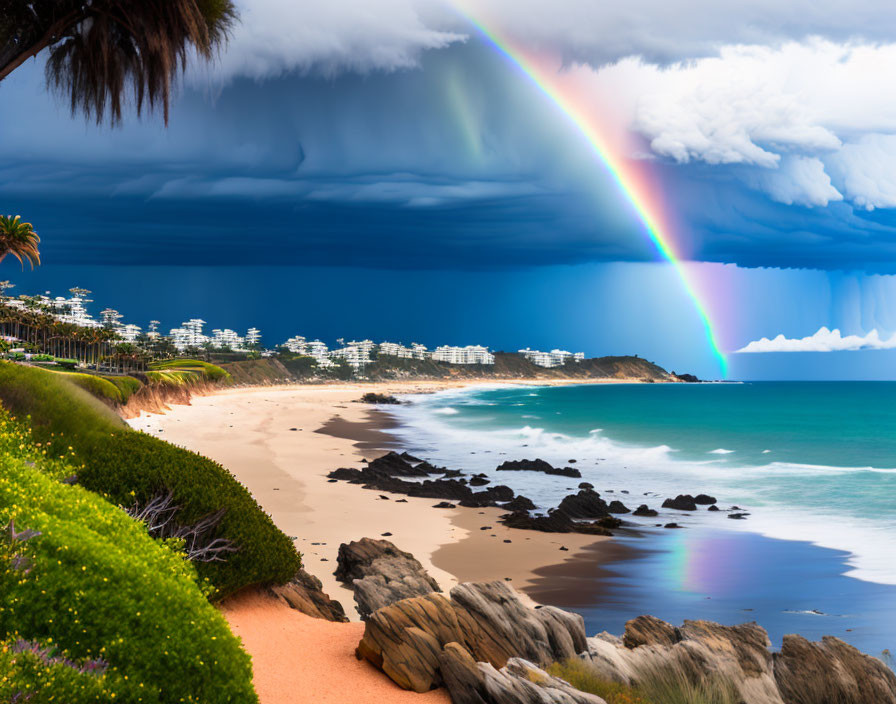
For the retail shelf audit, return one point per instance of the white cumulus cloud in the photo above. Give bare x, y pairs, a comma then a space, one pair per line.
824, 340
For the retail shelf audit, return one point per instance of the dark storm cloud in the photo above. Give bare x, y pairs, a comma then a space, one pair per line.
458, 164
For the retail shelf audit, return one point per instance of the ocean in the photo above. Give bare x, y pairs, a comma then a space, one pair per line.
812, 463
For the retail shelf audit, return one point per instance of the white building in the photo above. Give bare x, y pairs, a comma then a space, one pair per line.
356, 353
471, 354
554, 358
316, 349
395, 349
129, 333
189, 334
253, 337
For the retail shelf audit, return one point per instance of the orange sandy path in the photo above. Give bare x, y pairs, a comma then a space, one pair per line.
297, 659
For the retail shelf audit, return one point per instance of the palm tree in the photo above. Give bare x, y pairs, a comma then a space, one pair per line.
18, 239
98, 49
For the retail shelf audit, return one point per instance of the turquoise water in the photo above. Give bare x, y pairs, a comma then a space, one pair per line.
809, 461
812, 464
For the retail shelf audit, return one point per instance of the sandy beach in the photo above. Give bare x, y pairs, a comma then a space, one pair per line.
282, 441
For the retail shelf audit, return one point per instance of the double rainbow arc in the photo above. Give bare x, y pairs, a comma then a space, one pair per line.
617, 166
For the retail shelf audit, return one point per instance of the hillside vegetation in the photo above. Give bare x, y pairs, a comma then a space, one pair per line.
508, 365
130, 469
93, 609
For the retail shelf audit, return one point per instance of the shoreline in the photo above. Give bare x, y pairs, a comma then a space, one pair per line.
249, 430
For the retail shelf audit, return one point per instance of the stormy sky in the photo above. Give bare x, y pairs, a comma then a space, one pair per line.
387, 141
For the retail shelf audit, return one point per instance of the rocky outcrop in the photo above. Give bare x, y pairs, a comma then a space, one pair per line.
387, 473
733, 657
586, 504
488, 620
645, 510
518, 682
553, 522
538, 465
381, 574
682, 502
305, 593
618, 507
704, 500
831, 672
520, 503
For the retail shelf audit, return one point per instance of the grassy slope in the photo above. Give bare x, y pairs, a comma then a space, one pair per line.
128, 467
92, 585
507, 366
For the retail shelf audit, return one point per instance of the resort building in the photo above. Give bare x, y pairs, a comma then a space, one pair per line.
316, 349
129, 333
554, 358
189, 334
356, 353
471, 354
395, 349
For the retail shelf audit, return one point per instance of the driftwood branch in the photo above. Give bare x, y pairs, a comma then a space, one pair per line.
199, 545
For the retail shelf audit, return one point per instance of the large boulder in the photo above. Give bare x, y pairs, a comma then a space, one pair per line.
304, 592
831, 672
498, 626
735, 656
682, 502
586, 504
381, 574
406, 638
518, 682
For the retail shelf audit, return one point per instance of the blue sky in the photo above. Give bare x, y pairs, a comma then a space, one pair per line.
345, 178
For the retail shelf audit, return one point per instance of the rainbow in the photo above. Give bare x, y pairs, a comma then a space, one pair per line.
622, 170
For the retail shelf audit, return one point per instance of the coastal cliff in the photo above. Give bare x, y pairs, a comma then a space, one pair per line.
507, 366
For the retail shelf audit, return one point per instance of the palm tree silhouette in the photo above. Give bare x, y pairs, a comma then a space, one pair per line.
18, 239
100, 50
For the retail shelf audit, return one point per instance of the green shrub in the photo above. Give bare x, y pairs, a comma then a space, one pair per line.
42, 358
99, 386
174, 377
210, 372
67, 363
91, 585
135, 467
128, 467
127, 385
29, 676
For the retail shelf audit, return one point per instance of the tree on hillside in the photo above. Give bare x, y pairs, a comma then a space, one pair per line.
18, 239
101, 49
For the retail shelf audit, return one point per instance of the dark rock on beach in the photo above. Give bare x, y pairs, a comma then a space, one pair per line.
520, 503
372, 397
682, 502
586, 504
479, 481
704, 499
553, 522
537, 465
305, 593
644, 510
380, 574
444, 504
618, 507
